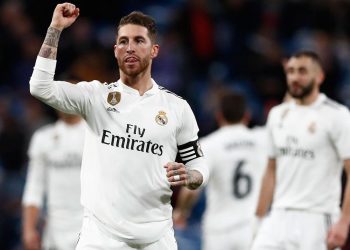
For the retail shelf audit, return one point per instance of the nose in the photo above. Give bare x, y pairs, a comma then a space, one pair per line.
292, 76
130, 48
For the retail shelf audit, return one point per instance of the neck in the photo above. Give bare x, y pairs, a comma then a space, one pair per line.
71, 120
226, 123
141, 82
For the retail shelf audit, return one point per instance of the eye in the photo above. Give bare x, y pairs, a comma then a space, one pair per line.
289, 70
122, 42
139, 40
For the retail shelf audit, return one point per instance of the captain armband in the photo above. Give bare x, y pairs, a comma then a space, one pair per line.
189, 151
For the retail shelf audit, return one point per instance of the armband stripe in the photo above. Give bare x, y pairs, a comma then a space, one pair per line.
190, 151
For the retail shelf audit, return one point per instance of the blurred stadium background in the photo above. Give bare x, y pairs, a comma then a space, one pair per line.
206, 47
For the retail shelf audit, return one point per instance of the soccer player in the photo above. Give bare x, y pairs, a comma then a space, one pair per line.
309, 143
135, 130
236, 159
53, 183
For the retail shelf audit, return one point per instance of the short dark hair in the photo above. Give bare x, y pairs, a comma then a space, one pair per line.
139, 18
309, 54
233, 106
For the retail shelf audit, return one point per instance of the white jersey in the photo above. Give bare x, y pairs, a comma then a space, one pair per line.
55, 156
129, 140
309, 144
236, 158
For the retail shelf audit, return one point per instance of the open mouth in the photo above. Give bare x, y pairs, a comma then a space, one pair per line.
131, 59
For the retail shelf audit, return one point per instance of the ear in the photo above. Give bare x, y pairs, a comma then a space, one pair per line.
115, 50
320, 77
155, 50
219, 117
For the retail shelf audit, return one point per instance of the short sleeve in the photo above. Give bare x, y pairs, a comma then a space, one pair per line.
340, 133
188, 130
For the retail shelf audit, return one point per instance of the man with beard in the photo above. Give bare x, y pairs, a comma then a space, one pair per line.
309, 143
135, 130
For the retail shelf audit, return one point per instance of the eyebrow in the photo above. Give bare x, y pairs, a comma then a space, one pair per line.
136, 37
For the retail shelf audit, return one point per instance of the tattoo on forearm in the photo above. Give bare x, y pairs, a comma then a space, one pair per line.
48, 52
49, 47
52, 37
195, 179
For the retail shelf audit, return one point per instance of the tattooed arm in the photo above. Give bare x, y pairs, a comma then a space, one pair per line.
179, 175
63, 16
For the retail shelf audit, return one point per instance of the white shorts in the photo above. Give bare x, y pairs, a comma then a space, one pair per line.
237, 238
91, 237
285, 229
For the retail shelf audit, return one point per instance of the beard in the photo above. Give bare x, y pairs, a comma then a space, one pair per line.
302, 91
137, 69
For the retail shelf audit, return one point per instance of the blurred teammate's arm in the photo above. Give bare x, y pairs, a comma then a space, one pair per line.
33, 194
184, 204
267, 189
338, 233
31, 235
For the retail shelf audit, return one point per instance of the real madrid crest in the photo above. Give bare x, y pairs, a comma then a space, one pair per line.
161, 118
113, 97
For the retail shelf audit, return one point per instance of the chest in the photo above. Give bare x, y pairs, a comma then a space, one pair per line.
64, 150
149, 118
301, 128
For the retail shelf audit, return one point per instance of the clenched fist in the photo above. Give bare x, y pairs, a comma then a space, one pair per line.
64, 15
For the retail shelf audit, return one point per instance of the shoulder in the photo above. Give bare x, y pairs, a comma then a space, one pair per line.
333, 109
41, 135
336, 116
333, 105
215, 136
279, 110
169, 94
93, 85
44, 130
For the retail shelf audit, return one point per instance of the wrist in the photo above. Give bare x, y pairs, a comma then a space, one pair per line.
195, 179
56, 26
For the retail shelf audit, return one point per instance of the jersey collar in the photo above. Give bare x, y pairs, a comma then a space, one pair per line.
126, 89
320, 99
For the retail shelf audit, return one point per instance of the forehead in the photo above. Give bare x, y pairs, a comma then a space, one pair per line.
132, 30
296, 62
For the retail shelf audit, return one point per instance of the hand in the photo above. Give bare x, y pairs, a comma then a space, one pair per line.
31, 240
179, 175
64, 16
337, 235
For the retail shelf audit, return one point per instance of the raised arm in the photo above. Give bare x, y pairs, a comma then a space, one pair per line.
61, 95
63, 16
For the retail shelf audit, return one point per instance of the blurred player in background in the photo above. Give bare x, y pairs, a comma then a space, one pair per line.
309, 143
53, 185
135, 130
236, 158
